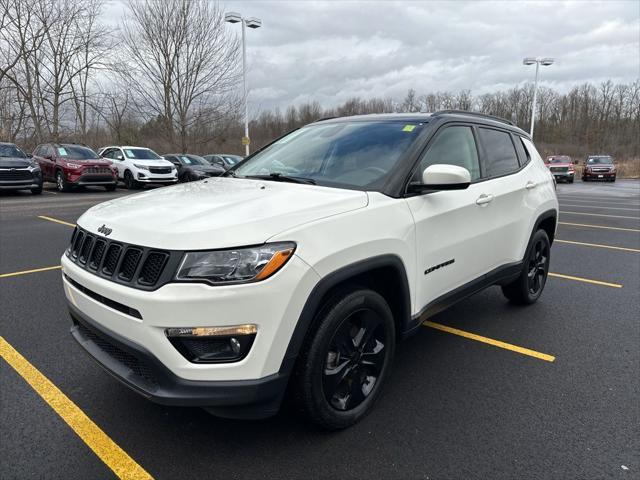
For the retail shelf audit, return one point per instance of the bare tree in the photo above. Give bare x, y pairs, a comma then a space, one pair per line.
186, 62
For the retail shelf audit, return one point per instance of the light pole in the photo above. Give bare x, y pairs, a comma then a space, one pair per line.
538, 61
251, 22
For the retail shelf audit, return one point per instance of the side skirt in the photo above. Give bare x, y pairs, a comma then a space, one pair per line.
499, 276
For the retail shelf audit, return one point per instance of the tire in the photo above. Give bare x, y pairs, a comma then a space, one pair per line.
570, 180
352, 336
61, 183
129, 181
37, 190
528, 287
110, 188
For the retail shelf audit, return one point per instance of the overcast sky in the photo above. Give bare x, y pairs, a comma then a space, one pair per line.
331, 51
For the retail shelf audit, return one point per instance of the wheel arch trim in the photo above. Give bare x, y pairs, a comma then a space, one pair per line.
336, 278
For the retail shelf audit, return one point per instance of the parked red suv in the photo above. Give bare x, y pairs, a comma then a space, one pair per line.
599, 167
70, 164
561, 166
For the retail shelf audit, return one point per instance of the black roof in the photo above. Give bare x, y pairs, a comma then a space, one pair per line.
474, 117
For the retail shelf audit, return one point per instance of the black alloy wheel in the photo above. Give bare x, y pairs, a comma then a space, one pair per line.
527, 288
354, 360
538, 266
345, 359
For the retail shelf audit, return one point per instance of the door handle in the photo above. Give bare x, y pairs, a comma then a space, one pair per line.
484, 199
530, 184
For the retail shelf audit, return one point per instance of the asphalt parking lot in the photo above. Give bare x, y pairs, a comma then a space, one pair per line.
487, 390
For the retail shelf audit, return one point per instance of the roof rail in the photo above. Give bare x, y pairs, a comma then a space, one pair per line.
475, 114
323, 119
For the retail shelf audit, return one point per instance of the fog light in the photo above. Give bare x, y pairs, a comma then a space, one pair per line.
213, 344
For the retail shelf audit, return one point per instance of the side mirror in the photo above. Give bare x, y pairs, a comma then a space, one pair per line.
442, 177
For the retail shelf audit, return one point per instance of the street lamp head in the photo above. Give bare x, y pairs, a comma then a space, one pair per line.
529, 61
232, 17
253, 22
546, 61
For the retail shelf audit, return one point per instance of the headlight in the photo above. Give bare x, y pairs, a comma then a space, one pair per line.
141, 167
73, 165
239, 265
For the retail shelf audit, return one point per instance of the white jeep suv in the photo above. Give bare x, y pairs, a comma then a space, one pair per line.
305, 264
138, 166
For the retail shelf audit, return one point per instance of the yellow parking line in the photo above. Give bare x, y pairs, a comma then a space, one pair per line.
624, 249
106, 449
25, 272
55, 220
599, 226
585, 280
490, 341
599, 215
600, 207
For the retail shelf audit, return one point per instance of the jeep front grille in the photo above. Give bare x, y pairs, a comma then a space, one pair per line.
132, 265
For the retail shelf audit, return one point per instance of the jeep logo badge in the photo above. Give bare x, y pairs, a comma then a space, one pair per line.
104, 229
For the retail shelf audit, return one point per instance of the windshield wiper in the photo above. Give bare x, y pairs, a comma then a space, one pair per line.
278, 177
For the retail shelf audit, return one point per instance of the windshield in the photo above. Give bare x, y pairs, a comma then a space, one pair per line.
559, 160
192, 160
8, 150
76, 152
141, 154
599, 161
356, 155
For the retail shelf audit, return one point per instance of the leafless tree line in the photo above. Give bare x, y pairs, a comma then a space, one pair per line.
588, 119
168, 73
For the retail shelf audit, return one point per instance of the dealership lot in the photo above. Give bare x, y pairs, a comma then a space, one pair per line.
486, 389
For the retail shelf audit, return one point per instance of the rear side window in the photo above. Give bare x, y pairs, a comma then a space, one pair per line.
523, 155
501, 154
452, 146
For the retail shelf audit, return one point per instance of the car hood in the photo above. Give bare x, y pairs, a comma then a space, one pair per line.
14, 162
206, 168
219, 212
559, 165
94, 162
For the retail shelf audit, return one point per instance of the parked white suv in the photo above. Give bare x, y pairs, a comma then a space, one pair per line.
303, 266
138, 166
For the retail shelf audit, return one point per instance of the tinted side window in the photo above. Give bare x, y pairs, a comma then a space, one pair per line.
501, 154
523, 155
452, 146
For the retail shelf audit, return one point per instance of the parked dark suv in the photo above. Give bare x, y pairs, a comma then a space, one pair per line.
18, 171
599, 167
193, 167
70, 164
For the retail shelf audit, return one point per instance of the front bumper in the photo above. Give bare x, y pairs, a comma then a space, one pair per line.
137, 368
156, 179
19, 185
598, 175
91, 179
563, 175
273, 305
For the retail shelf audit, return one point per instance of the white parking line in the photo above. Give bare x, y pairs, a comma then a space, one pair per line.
637, 209
598, 215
